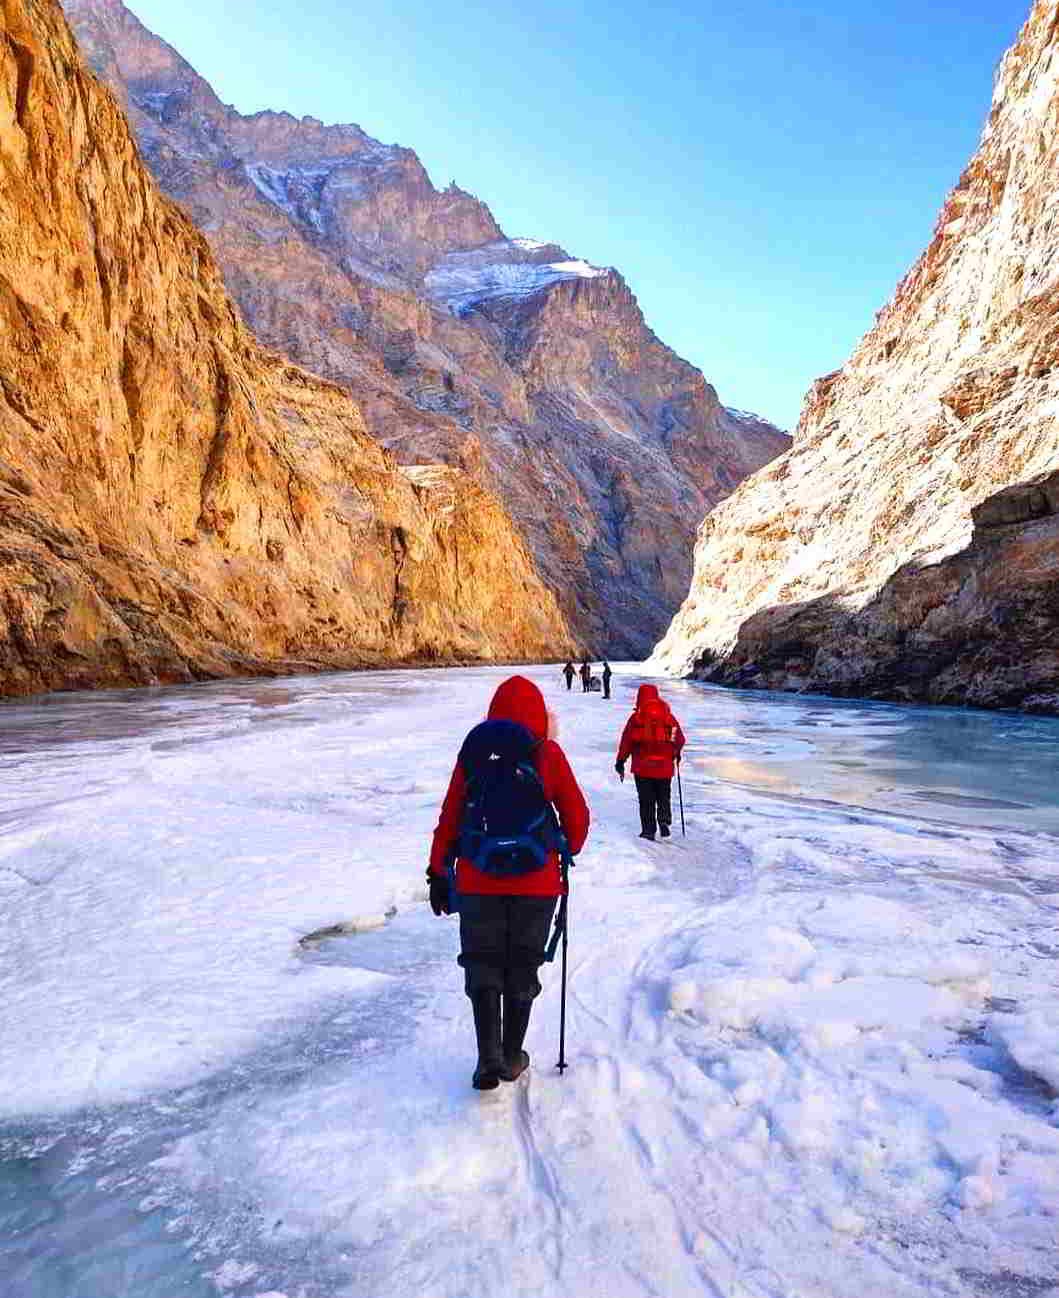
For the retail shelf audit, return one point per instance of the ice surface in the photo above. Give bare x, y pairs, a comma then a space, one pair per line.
946, 764
812, 1046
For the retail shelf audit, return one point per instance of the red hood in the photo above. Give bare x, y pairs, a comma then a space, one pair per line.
648, 694
520, 700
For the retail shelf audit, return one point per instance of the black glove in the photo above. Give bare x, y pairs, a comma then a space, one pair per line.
439, 894
620, 768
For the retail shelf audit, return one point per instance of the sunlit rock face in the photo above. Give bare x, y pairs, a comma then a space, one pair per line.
876, 556
509, 358
177, 502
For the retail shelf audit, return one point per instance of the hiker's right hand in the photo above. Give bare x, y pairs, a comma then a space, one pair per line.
439, 895
620, 768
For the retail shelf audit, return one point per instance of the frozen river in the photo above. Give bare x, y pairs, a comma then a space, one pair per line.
813, 1044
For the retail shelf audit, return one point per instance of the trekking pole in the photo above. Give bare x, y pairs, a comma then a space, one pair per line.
680, 791
562, 1064
564, 921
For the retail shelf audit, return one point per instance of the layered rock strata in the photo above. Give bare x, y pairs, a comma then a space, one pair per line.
905, 546
509, 358
177, 502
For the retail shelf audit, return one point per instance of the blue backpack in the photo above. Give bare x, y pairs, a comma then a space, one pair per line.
509, 826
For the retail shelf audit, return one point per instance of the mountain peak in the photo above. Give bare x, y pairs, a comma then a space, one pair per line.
516, 358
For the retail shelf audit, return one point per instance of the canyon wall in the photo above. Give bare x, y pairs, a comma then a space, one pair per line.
177, 502
906, 546
530, 369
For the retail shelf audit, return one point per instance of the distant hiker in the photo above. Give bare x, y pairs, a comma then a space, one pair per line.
586, 675
569, 671
607, 674
654, 739
496, 857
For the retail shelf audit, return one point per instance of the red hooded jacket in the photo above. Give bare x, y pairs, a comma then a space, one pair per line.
652, 736
517, 700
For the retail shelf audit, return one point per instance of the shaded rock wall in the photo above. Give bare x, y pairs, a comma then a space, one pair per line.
175, 501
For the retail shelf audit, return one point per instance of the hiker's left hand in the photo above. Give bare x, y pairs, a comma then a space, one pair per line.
439, 895
620, 768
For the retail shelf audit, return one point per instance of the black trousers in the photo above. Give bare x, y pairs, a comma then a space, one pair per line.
502, 943
569, 681
655, 806
606, 687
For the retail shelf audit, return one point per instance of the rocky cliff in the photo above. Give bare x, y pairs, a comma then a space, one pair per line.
905, 547
175, 501
530, 369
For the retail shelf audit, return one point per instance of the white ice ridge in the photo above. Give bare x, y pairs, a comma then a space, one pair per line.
506, 268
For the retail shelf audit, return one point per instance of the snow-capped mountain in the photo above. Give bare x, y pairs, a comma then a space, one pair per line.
512, 358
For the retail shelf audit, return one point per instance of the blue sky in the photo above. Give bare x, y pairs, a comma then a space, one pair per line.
762, 172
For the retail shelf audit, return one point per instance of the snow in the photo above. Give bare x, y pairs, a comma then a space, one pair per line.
155, 101
744, 415
296, 191
1033, 1040
576, 268
300, 190
502, 269
812, 1045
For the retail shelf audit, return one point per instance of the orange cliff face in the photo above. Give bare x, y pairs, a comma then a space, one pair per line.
907, 546
176, 502
531, 370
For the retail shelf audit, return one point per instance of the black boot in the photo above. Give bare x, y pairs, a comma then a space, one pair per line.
487, 1029
516, 1021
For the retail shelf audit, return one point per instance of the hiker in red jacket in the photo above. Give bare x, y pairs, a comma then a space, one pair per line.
654, 739
510, 798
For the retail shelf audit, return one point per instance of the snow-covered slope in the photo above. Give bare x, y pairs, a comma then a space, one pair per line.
506, 268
